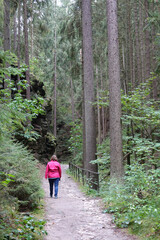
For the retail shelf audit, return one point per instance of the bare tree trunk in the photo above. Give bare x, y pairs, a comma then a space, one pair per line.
130, 46
28, 95
15, 34
98, 109
116, 157
103, 113
19, 39
55, 74
147, 44
134, 65
142, 38
31, 28
7, 40
138, 62
154, 63
72, 101
89, 145
127, 62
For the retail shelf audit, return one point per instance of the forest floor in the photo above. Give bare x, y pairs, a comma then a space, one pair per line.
75, 216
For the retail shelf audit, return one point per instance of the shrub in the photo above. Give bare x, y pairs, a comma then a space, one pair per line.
15, 159
136, 203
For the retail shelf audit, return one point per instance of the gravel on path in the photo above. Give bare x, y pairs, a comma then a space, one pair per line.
74, 216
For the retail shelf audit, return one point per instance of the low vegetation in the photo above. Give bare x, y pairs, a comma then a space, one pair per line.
20, 185
135, 203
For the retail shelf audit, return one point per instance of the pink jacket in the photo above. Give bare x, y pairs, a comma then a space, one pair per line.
53, 170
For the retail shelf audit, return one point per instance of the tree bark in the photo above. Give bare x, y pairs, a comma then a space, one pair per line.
116, 157
103, 112
142, 39
28, 95
98, 109
147, 44
55, 74
138, 62
31, 28
7, 39
89, 145
19, 40
72, 101
15, 34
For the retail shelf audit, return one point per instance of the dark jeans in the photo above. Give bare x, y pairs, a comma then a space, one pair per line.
54, 181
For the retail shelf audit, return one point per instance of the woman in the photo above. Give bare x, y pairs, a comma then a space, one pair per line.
53, 172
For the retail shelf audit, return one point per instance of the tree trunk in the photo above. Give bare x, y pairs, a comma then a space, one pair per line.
138, 62
55, 74
72, 101
116, 157
147, 44
154, 61
28, 96
103, 112
142, 39
15, 34
19, 39
98, 109
89, 145
31, 28
7, 40
130, 48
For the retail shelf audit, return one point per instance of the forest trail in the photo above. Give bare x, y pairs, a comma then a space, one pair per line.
74, 216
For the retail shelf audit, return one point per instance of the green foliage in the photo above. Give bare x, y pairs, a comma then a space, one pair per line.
21, 227
12, 224
16, 160
76, 144
16, 112
20, 183
35, 69
5, 179
136, 203
141, 120
103, 160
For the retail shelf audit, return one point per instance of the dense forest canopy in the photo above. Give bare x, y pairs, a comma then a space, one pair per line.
82, 78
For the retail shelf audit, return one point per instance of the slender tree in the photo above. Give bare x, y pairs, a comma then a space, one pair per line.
89, 126
19, 38
15, 33
31, 28
114, 91
7, 39
26, 48
72, 101
55, 73
147, 43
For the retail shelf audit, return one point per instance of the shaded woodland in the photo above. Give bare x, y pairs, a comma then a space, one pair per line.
82, 79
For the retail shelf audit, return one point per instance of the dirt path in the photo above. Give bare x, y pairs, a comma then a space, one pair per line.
73, 216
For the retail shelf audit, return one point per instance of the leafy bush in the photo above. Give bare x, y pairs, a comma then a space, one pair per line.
16, 160
136, 203
22, 227
20, 185
12, 224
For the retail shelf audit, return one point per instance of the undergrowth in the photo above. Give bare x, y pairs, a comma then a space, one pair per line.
20, 193
135, 204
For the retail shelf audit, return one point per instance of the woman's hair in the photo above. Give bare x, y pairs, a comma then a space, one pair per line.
54, 157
